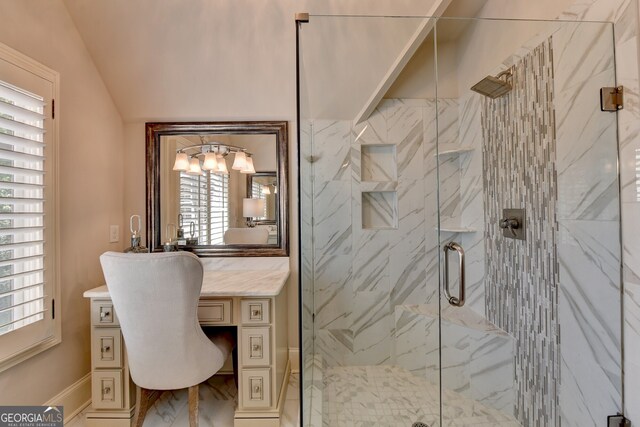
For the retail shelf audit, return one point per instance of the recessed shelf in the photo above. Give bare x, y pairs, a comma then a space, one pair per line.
449, 229
454, 151
378, 163
379, 210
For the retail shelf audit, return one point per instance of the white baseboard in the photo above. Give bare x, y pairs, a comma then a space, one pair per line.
294, 357
74, 398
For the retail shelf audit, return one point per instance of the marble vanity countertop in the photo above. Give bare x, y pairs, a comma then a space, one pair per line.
228, 283
256, 283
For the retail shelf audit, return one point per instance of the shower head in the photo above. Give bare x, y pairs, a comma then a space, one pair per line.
494, 87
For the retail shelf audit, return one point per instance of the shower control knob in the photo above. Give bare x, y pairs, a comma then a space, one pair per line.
511, 224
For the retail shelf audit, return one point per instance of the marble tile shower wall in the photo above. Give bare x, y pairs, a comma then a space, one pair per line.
471, 200
588, 215
624, 15
306, 272
362, 276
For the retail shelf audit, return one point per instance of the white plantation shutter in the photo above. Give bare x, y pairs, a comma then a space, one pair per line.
218, 208
204, 200
193, 196
27, 210
21, 208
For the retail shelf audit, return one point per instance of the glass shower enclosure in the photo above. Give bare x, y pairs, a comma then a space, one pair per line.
459, 223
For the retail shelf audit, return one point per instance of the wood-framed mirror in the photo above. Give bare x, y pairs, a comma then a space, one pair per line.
218, 188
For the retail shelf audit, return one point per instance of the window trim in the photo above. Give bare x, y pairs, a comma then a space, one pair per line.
30, 65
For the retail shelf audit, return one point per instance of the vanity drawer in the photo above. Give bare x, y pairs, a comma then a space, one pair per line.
256, 388
102, 313
214, 312
255, 311
106, 389
106, 351
255, 346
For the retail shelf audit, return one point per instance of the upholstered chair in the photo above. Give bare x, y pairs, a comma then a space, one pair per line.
155, 297
246, 236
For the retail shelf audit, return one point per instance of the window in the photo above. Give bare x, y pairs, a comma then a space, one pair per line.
204, 201
28, 266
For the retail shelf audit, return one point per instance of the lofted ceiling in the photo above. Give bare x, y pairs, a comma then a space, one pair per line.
203, 59
231, 59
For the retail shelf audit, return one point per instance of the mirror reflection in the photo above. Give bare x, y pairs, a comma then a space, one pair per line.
219, 189
264, 186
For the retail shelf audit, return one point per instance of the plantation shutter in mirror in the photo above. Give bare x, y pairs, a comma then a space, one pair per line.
27, 211
204, 200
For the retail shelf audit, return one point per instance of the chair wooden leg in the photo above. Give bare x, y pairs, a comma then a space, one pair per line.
193, 406
144, 400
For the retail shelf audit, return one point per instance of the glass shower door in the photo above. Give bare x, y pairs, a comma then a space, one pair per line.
368, 193
529, 224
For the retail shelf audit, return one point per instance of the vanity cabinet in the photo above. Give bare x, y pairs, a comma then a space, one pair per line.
112, 392
260, 315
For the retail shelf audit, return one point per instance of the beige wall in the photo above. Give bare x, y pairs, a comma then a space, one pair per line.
418, 79
91, 185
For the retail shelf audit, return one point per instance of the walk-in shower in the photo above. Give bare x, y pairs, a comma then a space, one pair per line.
511, 185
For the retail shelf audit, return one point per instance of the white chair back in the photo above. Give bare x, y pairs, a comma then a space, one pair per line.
246, 236
155, 297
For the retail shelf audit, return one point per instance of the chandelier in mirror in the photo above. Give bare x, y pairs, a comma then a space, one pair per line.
211, 156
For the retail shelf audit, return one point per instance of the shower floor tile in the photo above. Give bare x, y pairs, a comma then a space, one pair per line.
386, 396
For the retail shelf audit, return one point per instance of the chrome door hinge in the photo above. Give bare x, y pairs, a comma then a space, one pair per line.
612, 98
618, 421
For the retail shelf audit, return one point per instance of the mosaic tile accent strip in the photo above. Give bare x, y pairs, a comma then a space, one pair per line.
519, 152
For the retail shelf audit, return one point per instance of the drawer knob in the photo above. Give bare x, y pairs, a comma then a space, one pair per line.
106, 348
255, 312
256, 389
256, 347
106, 390
104, 314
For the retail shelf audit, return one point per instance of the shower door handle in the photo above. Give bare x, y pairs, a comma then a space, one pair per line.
459, 300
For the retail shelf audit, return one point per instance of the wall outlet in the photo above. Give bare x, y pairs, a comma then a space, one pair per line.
114, 234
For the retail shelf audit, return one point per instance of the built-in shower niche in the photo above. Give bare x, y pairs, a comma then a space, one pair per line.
379, 210
378, 163
378, 182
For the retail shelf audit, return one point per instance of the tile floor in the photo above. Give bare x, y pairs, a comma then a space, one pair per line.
353, 396
217, 403
390, 396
